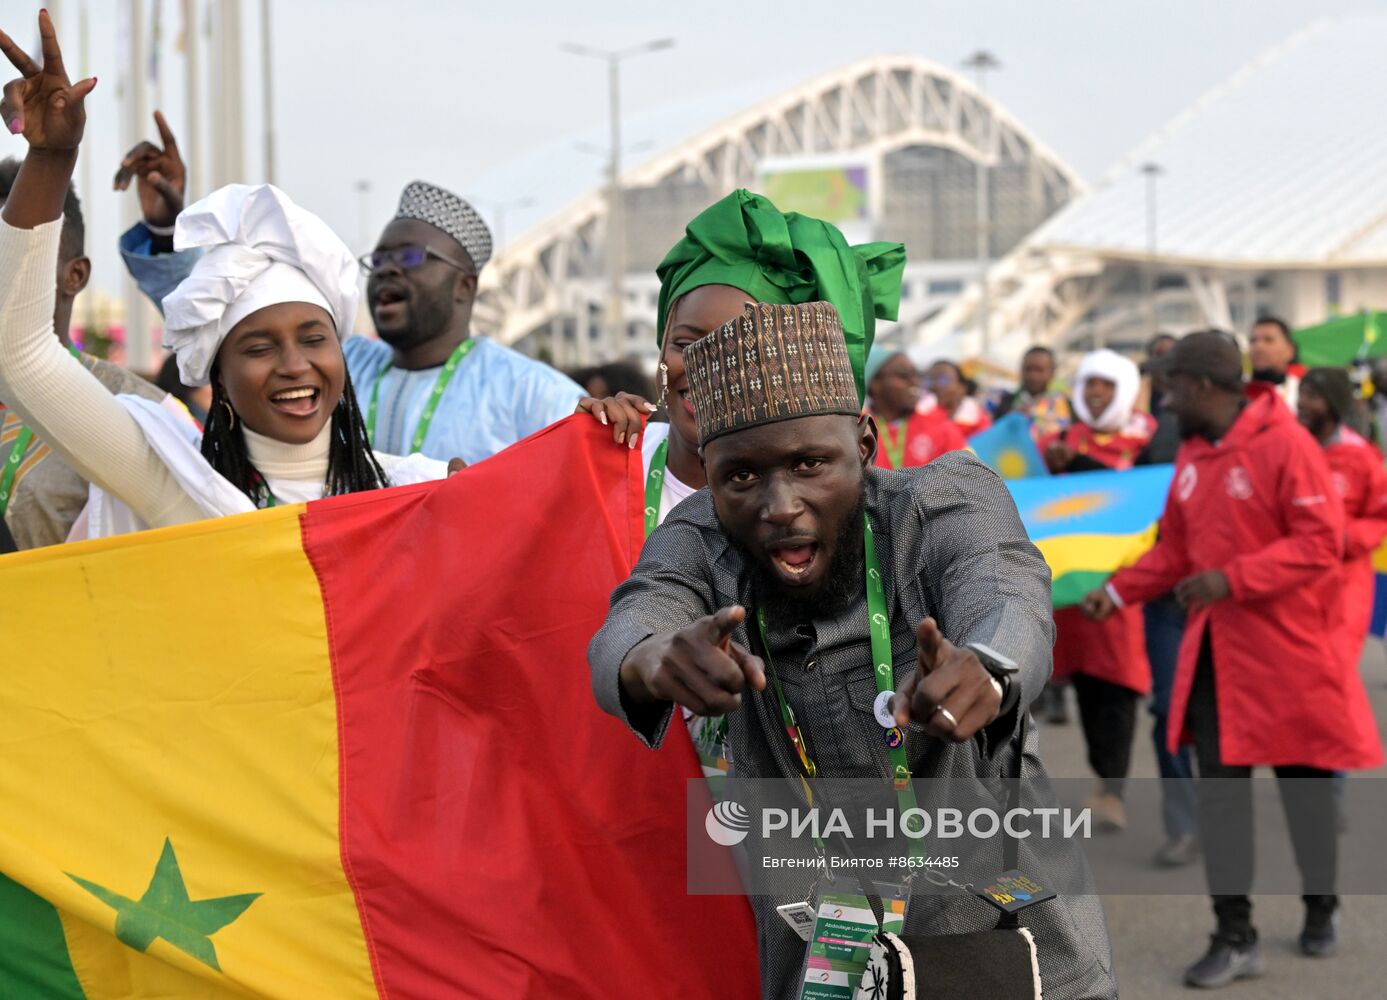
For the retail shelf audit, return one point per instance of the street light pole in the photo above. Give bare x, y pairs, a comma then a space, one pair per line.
267, 90
139, 351
980, 62
363, 214
1153, 172
192, 90
501, 211
616, 216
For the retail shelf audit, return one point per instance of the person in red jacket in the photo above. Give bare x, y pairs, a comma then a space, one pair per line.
1251, 541
1276, 367
954, 394
1326, 398
1106, 661
908, 437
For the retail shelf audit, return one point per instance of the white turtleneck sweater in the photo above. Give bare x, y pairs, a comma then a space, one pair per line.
75, 416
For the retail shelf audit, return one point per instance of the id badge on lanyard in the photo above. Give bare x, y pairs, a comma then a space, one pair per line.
840, 942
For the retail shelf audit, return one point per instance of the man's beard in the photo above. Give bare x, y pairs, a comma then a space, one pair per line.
426, 317
843, 582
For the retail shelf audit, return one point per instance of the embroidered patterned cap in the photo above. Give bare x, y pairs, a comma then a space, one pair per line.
446, 211
771, 363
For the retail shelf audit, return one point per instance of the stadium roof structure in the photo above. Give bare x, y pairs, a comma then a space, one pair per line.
875, 105
1280, 167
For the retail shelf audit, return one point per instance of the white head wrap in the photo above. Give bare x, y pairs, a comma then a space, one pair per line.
1115, 368
262, 249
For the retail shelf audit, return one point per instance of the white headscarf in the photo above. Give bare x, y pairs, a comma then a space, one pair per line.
1115, 368
262, 250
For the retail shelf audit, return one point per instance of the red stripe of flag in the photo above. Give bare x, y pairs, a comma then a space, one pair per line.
505, 837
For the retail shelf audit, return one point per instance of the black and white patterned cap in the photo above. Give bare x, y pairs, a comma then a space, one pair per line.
446, 211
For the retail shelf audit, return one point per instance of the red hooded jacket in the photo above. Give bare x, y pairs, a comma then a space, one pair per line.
1356, 470
1260, 506
926, 437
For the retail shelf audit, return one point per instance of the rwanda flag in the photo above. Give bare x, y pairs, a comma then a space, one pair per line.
1007, 446
348, 750
1088, 525
1378, 625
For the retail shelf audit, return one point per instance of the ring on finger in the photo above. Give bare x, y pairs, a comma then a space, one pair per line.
941, 710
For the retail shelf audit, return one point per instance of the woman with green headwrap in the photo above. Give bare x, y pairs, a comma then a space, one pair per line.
741, 249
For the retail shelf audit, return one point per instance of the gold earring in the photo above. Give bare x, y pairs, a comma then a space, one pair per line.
230, 415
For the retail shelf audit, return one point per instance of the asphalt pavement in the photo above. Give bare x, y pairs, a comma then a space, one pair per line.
1156, 936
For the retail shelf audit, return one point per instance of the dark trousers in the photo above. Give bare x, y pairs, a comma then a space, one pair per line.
1108, 713
1165, 627
1225, 815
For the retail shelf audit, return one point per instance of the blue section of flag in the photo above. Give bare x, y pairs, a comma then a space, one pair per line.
1379, 622
1007, 446
1092, 503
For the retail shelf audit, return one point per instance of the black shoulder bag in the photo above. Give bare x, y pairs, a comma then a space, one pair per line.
1000, 964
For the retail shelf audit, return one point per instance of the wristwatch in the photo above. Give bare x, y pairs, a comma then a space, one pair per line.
1002, 668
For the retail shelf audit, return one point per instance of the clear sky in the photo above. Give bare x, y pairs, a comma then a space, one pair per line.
451, 90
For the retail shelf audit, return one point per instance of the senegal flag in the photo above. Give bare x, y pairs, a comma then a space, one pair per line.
345, 750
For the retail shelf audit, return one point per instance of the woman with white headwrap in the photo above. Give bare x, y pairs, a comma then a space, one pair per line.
1106, 660
260, 318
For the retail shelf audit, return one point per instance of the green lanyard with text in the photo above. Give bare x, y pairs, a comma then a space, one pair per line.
655, 486
12, 463
426, 418
879, 629
16, 456
895, 442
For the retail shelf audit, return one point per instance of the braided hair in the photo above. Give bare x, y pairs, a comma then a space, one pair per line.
351, 464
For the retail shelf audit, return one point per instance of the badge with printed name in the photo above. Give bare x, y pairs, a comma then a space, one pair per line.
840, 943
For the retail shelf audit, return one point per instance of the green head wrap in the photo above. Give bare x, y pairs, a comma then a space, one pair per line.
786, 259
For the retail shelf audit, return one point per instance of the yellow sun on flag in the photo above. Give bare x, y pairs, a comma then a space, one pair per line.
1011, 464
1075, 505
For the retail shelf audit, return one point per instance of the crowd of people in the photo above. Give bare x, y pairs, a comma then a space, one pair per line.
782, 453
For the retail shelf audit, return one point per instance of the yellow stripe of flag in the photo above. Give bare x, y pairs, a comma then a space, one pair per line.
235, 764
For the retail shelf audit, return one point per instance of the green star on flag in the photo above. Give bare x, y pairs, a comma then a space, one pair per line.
165, 911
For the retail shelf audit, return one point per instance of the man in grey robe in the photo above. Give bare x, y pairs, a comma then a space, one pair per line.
791, 475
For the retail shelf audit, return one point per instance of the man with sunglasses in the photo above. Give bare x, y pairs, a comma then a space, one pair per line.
426, 385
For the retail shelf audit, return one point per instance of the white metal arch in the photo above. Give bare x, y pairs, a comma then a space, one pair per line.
874, 105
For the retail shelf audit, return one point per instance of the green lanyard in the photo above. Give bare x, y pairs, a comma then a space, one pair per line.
16, 456
879, 629
895, 443
270, 499
426, 418
655, 486
12, 463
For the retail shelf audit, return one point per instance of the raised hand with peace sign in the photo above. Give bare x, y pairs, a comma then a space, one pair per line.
51, 113
160, 177
49, 110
